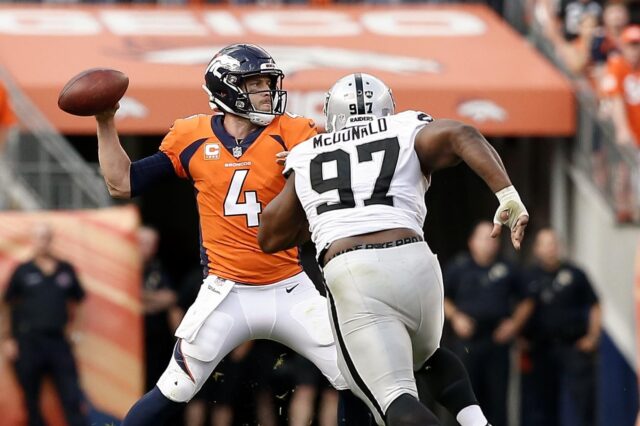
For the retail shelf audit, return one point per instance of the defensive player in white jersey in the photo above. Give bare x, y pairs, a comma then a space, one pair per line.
361, 187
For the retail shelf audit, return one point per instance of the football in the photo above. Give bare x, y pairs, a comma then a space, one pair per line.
93, 91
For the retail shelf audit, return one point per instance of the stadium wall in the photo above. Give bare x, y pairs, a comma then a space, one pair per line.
607, 252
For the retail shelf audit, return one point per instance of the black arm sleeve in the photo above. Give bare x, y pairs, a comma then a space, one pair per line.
143, 173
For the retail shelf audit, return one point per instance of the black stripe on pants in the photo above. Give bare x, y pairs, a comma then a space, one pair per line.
350, 365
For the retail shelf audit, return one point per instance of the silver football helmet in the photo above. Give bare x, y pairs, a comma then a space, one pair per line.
356, 94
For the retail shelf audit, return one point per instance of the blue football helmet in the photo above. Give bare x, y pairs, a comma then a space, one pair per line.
225, 76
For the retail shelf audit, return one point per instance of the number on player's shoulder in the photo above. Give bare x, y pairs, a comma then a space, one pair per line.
411, 116
422, 116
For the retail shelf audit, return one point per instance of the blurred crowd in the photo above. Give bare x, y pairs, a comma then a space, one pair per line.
599, 42
497, 5
198, 2
538, 323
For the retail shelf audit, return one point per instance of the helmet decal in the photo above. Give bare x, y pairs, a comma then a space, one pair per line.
223, 61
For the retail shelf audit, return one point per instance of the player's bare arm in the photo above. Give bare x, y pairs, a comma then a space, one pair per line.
114, 161
444, 143
283, 223
96, 92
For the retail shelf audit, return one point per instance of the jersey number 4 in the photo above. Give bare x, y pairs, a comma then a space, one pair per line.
251, 208
342, 182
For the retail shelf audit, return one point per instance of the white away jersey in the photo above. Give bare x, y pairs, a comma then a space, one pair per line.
364, 178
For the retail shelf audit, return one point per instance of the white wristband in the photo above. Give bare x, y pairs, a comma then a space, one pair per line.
510, 201
508, 193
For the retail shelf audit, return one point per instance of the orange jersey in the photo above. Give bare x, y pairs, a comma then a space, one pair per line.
231, 192
621, 79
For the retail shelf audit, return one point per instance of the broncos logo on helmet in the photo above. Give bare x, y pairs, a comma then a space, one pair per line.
225, 76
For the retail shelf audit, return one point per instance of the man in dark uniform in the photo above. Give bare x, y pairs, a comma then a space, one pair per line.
563, 337
158, 297
484, 305
41, 297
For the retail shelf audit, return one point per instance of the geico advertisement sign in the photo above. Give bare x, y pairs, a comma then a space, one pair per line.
276, 23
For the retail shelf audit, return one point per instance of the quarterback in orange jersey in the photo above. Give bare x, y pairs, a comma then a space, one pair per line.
230, 158
246, 179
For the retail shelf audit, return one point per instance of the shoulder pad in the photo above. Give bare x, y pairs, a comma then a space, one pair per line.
296, 121
295, 129
191, 123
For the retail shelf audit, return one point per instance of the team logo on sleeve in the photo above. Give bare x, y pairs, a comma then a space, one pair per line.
563, 279
64, 279
211, 151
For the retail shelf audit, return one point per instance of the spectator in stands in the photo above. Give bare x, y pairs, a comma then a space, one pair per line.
158, 296
615, 19
562, 337
621, 90
577, 53
570, 14
42, 297
562, 22
7, 118
621, 86
484, 306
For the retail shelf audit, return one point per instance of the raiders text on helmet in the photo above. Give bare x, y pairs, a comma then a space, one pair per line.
357, 95
225, 76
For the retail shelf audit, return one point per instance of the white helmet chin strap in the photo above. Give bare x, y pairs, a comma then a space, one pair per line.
212, 103
260, 119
